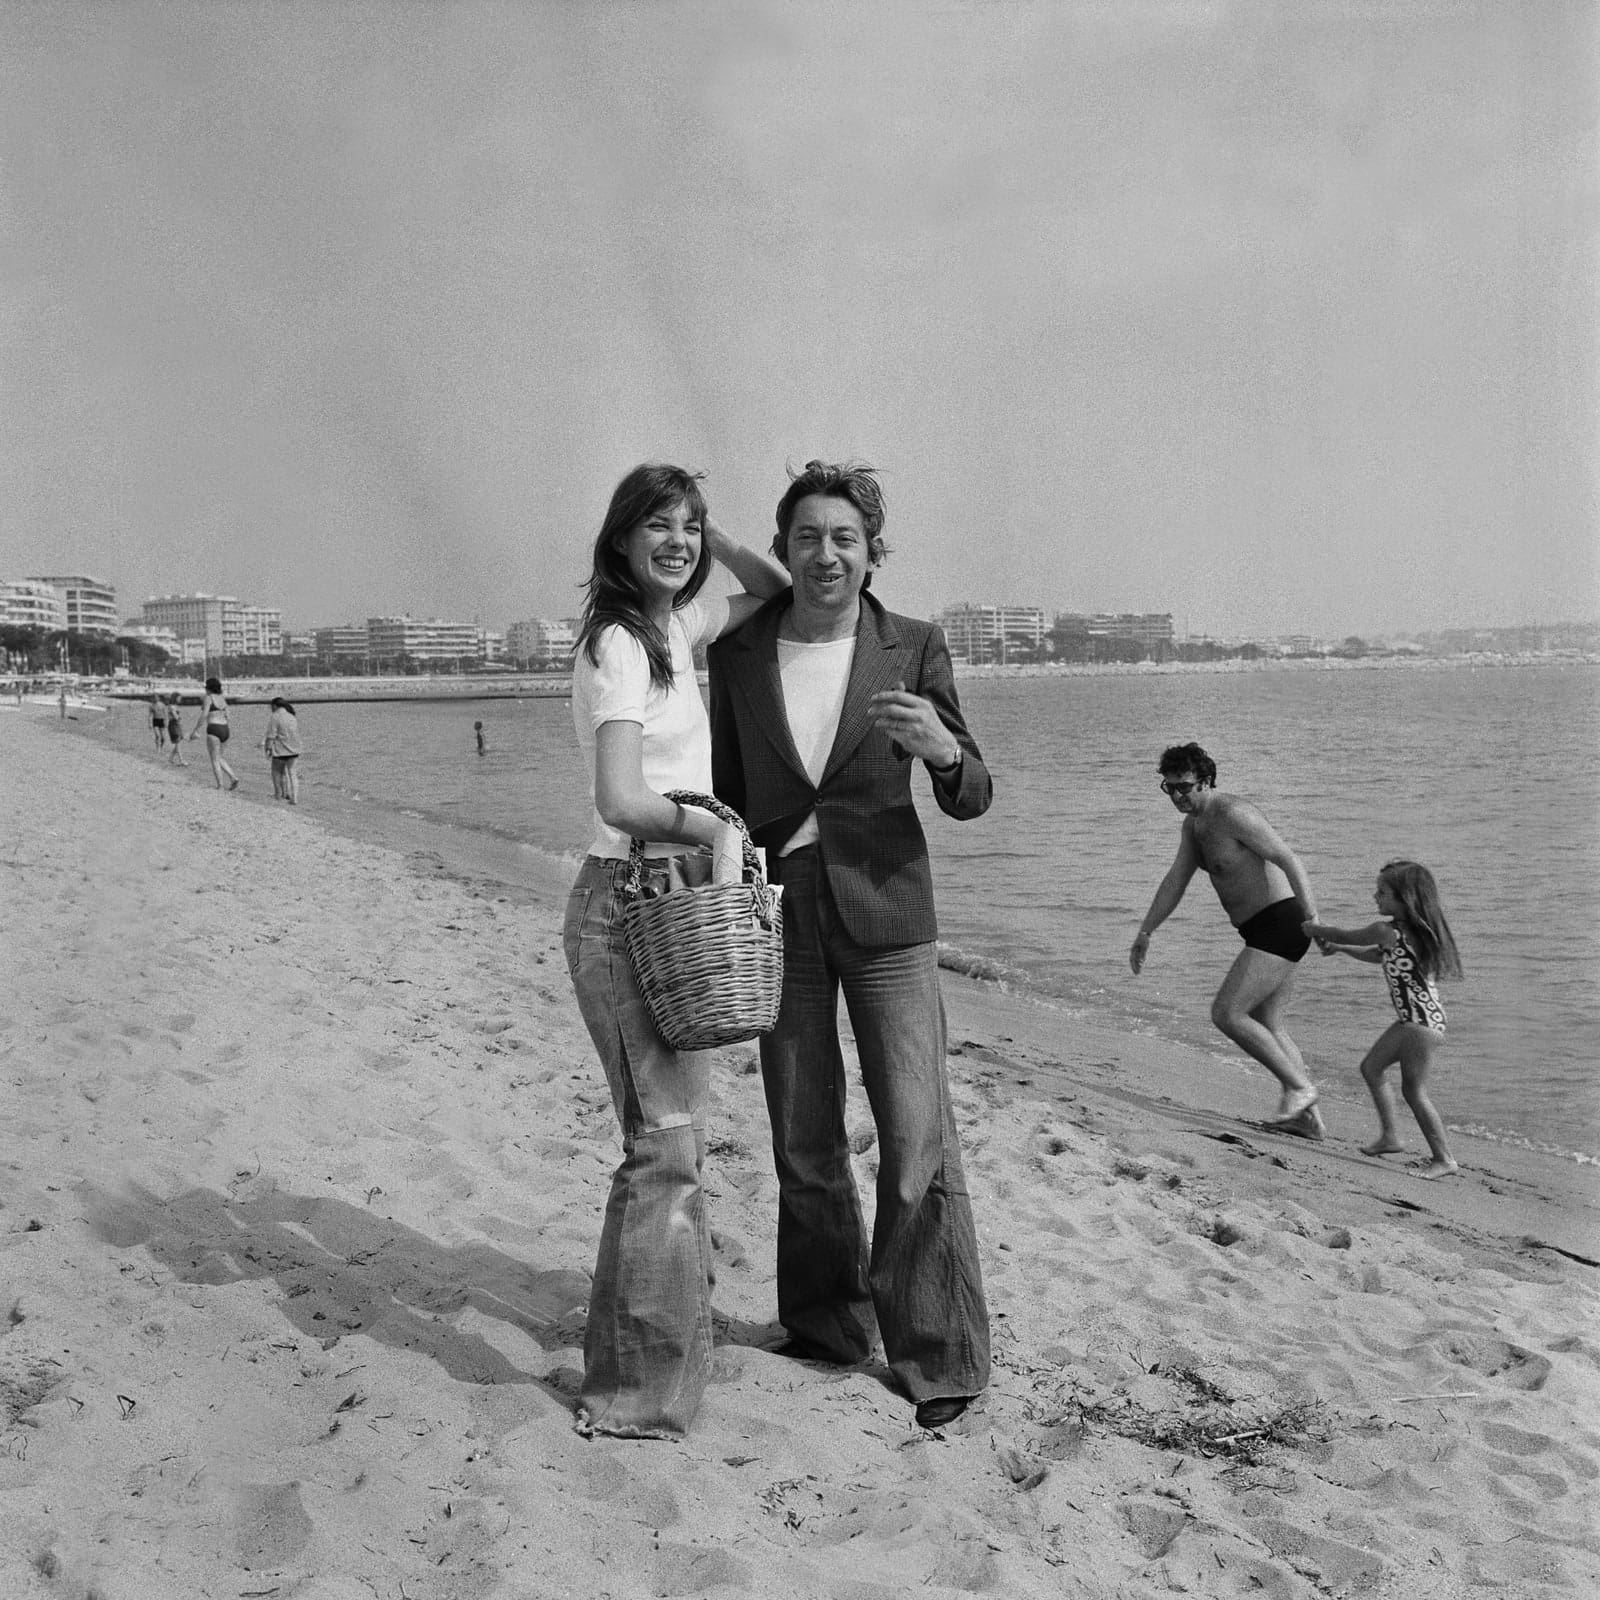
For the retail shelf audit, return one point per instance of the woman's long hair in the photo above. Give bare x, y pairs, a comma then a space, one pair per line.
614, 598
1425, 927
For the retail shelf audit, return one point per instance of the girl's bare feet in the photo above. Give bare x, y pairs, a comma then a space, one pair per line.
1294, 1104
1436, 1169
1382, 1147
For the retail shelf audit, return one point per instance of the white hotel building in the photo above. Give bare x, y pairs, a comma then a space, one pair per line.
431, 640
541, 639
91, 604
224, 626
32, 603
985, 633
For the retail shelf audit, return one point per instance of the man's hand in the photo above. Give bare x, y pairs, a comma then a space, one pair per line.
1141, 948
914, 725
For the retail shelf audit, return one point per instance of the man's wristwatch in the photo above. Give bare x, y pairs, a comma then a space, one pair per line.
945, 771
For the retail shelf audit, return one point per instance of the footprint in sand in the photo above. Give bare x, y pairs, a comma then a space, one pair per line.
271, 1527
1494, 1358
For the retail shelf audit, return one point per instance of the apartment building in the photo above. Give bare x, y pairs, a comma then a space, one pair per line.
251, 631
223, 625
542, 640
91, 605
424, 639
347, 641
32, 603
161, 638
1147, 628
989, 633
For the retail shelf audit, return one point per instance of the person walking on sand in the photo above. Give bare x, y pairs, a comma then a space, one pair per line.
282, 745
477, 728
213, 720
1267, 896
175, 733
158, 722
642, 729
1413, 942
823, 707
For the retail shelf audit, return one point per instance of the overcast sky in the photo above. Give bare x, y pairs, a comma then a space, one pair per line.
1278, 316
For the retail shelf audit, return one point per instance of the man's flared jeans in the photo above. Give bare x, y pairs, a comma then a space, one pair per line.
921, 1277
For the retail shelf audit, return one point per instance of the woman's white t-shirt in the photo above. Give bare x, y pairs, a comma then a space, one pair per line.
677, 734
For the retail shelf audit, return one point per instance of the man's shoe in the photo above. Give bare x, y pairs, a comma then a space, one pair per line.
793, 1349
934, 1414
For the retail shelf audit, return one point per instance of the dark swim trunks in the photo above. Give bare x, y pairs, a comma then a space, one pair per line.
1276, 929
217, 731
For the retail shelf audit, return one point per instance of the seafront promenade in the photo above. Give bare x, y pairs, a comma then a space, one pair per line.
558, 685
325, 691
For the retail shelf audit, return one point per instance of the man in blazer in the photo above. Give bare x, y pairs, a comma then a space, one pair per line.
821, 707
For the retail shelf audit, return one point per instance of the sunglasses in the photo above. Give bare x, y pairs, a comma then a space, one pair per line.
1177, 788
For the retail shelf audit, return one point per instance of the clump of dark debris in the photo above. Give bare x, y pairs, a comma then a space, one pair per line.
1205, 1421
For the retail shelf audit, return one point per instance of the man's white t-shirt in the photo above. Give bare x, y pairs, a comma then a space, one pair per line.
814, 679
677, 733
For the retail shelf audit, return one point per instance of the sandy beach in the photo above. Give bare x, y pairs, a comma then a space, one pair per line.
305, 1155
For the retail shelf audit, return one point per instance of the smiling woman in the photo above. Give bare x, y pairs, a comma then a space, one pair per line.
642, 728
663, 553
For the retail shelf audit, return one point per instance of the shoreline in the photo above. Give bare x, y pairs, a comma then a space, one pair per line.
306, 1157
481, 856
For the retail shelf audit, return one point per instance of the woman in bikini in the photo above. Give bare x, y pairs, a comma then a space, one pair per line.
213, 721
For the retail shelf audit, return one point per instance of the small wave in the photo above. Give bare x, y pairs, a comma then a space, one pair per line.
569, 859
1519, 1141
984, 968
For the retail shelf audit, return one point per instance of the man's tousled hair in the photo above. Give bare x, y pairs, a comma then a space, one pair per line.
1188, 758
854, 481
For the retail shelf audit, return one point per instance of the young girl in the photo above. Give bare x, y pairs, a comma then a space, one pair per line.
1414, 943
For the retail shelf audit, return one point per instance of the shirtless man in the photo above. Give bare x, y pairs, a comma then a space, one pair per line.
1265, 891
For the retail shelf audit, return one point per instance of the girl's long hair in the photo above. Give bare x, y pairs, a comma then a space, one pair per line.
1425, 927
614, 598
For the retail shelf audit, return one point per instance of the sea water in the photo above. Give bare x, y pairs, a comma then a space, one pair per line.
1488, 775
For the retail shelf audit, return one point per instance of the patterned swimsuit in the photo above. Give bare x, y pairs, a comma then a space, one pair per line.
1415, 998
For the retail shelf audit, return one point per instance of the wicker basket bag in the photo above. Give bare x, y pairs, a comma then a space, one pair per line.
709, 960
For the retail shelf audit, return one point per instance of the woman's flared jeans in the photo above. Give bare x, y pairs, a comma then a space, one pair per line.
921, 1280
647, 1346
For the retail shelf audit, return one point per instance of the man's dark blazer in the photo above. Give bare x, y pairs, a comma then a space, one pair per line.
872, 843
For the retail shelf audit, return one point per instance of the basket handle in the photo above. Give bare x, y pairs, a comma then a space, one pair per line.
704, 802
